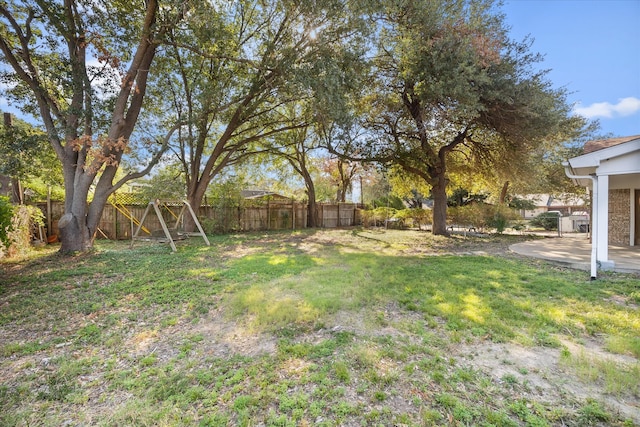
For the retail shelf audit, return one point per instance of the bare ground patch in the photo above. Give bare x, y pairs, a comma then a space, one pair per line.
540, 373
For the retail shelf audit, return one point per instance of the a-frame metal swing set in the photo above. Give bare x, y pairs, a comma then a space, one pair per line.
171, 234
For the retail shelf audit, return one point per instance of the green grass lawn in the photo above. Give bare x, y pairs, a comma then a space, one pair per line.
315, 327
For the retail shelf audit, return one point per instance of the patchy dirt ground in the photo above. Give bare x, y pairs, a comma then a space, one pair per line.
542, 371
538, 372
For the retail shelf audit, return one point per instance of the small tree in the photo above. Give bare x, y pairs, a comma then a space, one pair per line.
413, 217
421, 216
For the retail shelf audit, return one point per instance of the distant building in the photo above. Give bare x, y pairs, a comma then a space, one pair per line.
566, 204
264, 195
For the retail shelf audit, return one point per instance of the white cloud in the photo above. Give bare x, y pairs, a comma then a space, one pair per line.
624, 107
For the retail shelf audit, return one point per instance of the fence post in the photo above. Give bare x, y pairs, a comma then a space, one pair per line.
338, 222
49, 222
115, 216
293, 215
305, 215
353, 206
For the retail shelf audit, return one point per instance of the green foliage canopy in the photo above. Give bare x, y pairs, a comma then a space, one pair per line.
449, 88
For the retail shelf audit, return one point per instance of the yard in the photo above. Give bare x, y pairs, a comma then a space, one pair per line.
316, 327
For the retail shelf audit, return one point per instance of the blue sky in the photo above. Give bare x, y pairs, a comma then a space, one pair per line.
592, 48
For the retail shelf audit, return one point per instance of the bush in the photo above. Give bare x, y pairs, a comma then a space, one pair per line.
413, 217
388, 202
402, 218
499, 216
473, 215
15, 237
482, 215
547, 220
377, 216
6, 214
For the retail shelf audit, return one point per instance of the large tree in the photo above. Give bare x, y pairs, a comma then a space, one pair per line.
448, 81
238, 66
82, 66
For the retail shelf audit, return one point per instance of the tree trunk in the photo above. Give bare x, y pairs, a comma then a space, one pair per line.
195, 200
503, 193
75, 237
312, 214
342, 191
312, 211
75, 233
17, 193
439, 194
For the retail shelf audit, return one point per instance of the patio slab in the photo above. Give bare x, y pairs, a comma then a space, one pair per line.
574, 251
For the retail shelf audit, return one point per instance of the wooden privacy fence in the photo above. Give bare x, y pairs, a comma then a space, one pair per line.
117, 218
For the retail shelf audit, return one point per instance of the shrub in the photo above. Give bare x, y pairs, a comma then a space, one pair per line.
499, 216
421, 216
377, 216
473, 215
402, 218
388, 202
16, 231
546, 220
413, 217
6, 213
482, 215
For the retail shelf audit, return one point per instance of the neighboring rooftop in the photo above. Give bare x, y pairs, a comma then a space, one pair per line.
600, 144
550, 201
259, 194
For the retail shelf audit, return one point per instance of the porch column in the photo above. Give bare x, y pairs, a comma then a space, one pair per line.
602, 226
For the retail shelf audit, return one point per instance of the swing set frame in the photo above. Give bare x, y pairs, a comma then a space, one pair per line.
171, 238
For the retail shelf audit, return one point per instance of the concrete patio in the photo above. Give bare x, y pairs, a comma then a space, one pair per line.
574, 251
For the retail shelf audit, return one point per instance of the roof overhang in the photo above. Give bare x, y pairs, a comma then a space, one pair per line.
619, 159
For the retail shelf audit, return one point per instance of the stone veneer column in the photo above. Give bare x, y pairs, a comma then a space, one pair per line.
619, 217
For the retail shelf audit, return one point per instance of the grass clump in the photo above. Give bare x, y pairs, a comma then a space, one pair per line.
618, 378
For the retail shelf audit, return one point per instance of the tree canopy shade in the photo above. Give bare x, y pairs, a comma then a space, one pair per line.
82, 67
234, 71
448, 85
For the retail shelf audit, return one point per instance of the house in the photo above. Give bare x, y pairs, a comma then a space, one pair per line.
264, 195
566, 204
610, 170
